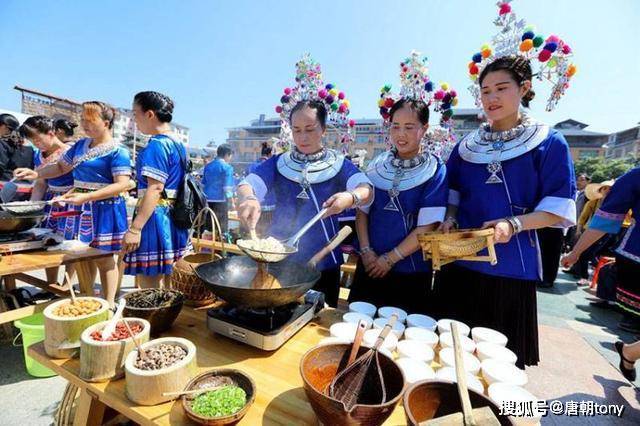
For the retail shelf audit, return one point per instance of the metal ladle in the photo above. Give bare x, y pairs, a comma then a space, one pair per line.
290, 245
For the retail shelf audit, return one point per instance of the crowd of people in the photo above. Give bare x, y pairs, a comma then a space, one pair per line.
513, 174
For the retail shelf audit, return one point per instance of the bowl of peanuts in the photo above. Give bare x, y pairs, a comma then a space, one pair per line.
65, 320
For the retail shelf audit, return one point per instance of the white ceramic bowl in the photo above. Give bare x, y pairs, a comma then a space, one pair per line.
354, 317
398, 327
486, 350
484, 334
502, 392
415, 370
468, 345
370, 337
501, 372
387, 311
470, 362
421, 334
344, 330
415, 349
424, 321
449, 373
363, 308
444, 326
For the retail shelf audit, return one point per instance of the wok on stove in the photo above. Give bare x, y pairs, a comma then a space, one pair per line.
12, 224
232, 279
245, 283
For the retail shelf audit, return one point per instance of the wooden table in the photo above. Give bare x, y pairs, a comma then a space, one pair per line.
15, 267
280, 398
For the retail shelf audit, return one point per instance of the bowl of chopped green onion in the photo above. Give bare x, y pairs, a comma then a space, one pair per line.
226, 396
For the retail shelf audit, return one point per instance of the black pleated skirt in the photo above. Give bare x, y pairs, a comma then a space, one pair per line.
411, 292
504, 304
628, 285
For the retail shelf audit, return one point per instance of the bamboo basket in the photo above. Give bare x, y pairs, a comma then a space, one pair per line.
463, 244
183, 276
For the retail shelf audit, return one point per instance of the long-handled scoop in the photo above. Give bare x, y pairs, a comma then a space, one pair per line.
289, 246
264, 280
108, 329
347, 385
470, 416
8, 191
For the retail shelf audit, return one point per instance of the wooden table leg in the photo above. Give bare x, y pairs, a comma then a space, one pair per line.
89, 411
9, 282
85, 278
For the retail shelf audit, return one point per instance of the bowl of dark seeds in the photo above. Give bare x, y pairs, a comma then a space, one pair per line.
159, 370
158, 306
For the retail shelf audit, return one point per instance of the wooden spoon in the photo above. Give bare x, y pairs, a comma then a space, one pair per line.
357, 341
141, 353
71, 291
194, 391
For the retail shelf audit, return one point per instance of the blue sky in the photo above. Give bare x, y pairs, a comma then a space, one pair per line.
224, 63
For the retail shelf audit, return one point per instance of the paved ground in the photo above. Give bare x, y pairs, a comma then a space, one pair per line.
578, 364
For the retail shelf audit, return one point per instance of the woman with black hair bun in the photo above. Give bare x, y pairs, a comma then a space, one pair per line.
308, 177
515, 175
14, 153
153, 243
40, 131
65, 130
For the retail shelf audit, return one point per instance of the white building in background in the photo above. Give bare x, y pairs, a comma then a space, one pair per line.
124, 130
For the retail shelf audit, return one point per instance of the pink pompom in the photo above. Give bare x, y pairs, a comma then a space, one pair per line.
566, 49
453, 93
341, 95
504, 9
553, 39
322, 93
342, 108
287, 91
278, 109
439, 95
544, 56
352, 123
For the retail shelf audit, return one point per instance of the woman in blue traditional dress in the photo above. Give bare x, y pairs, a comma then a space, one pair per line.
307, 178
623, 196
101, 173
515, 175
410, 198
41, 132
153, 243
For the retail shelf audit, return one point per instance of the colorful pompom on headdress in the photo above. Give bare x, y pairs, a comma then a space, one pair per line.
415, 84
310, 87
549, 56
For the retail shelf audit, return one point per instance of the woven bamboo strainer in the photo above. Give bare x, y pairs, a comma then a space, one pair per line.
463, 244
